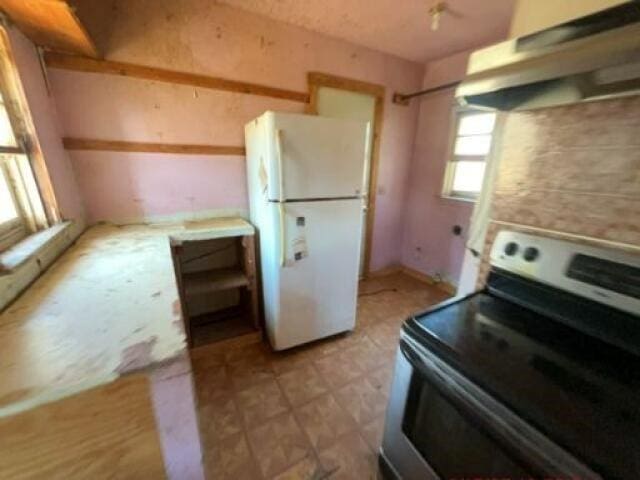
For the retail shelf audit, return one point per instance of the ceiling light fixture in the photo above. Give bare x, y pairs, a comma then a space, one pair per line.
436, 12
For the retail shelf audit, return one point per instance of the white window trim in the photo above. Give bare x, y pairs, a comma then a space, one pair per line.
447, 185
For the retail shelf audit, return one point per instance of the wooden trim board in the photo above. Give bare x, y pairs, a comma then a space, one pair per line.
84, 64
343, 83
11, 150
317, 80
384, 272
91, 144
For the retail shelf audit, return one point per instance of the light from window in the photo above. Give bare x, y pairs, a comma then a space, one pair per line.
476, 124
469, 150
473, 145
468, 176
8, 209
7, 138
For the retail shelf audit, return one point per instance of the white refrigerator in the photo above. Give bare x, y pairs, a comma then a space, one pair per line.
305, 178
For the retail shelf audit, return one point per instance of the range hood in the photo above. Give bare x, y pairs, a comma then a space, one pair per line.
596, 56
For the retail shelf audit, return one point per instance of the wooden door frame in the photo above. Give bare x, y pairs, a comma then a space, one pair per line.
317, 80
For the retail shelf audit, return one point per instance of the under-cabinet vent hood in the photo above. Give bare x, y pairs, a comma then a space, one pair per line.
596, 56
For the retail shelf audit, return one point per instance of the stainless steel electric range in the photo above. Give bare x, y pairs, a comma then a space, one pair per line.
535, 377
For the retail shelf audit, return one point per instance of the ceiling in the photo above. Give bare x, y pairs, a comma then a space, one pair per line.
398, 27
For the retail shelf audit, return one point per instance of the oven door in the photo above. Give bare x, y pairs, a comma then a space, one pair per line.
439, 425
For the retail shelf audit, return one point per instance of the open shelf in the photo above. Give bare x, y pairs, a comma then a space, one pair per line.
223, 325
219, 290
208, 281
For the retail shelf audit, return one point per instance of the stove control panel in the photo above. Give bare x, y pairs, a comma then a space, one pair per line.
608, 276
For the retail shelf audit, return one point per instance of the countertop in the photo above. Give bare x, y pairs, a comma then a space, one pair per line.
108, 306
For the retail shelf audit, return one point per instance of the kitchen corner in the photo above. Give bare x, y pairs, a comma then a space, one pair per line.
107, 311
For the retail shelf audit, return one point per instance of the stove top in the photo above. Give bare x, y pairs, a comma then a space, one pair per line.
580, 391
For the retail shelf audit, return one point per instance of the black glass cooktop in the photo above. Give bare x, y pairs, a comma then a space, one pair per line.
581, 392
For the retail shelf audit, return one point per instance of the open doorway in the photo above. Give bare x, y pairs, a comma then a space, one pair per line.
339, 97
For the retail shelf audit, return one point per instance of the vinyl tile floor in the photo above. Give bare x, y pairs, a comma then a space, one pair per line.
313, 412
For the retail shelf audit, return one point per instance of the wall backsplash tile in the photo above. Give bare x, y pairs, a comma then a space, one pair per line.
573, 172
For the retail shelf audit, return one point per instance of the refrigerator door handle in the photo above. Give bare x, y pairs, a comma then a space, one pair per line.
283, 233
279, 153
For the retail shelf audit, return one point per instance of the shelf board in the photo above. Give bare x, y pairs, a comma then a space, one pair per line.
209, 281
208, 328
234, 311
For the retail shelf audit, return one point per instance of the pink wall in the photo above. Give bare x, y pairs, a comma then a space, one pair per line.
45, 119
130, 186
429, 245
200, 36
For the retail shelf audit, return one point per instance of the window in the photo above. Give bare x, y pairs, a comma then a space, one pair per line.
21, 209
11, 224
469, 149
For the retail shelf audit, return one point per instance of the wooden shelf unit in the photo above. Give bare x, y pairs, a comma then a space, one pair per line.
210, 269
220, 326
215, 280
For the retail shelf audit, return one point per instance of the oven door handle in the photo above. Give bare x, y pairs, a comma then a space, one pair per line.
511, 433
418, 363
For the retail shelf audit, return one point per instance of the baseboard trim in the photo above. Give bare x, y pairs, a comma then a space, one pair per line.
383, 272
448, 287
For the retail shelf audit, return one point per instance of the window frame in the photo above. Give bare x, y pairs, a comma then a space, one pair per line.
16, 160
15, 229
457, 114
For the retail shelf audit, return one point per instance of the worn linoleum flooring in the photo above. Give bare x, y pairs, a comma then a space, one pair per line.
314, 412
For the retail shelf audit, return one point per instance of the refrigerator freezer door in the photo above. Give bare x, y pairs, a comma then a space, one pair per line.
314, 157
314, 294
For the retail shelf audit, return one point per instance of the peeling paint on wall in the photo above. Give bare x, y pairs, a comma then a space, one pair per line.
137, 356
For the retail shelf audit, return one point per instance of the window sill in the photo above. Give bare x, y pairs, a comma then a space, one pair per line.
35, 245
22, 264
459, 199
26, 248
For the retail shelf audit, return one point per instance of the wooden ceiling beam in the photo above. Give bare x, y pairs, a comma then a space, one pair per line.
52, 24
92, 144
81, 64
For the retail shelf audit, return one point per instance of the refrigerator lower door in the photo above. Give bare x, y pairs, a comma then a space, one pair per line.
311, 278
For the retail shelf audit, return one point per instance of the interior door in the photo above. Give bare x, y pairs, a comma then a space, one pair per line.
332, 102
315, 157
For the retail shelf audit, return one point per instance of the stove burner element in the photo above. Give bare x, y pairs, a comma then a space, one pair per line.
531, 254
511, 248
